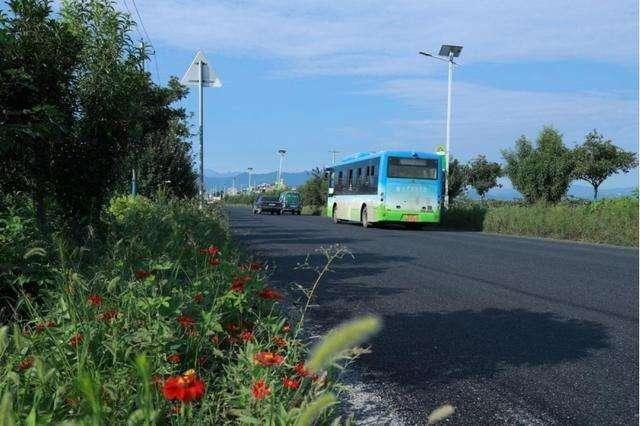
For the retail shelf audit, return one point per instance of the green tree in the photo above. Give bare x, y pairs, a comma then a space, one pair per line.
314, 190
38, 61
458, 179
541, 173
483, 175
597, 159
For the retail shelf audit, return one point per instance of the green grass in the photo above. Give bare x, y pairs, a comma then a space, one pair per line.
611, 221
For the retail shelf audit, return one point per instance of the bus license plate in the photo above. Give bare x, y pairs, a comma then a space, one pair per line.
411, 217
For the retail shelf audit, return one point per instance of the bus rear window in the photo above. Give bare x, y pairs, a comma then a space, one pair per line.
412, 168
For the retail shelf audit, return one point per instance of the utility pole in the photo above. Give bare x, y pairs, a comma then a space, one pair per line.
333, 156
201, 74
249, 170
450, 52
279, 180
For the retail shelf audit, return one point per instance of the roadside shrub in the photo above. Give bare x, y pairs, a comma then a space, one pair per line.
611, 221
169, 324
313, 210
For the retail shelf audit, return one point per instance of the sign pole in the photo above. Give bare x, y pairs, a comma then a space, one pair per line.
201, 128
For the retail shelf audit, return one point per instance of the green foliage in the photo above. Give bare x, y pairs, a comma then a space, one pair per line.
81, 112
314, 190
458, 178
597, 159
541, 173
48, 375
482, 175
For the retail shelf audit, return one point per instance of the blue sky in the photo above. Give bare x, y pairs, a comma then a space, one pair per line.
311, 76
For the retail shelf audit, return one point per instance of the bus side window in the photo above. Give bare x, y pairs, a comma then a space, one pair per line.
359, 178
350, 181
373, 170
339, 184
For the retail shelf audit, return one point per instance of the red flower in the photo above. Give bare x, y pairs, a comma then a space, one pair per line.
237, 285
141, 275
198, 297
95, 299
260, 390
280, 342
256, 266
246, 335
231, 327
268, 359
290, 383
211, 250
271, 294
186, 321
174, 358
186, 387
108, 316
286, 328
27, 363
214, 261
301, 370
75, 340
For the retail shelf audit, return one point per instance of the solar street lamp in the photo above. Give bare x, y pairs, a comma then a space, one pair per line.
449, 52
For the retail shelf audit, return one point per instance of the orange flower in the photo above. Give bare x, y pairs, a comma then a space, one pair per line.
75, 340
186, 387
260, 390
271, 294
186, 321
268, 359
211, 250
95, 299
246, 335
279, 342
198, 297
174, 358
290, 383
141, 274
27, 363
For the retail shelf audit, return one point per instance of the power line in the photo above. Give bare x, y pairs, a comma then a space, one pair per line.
155, 59
146, 35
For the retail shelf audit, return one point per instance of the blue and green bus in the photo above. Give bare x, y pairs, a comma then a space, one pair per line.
387, 186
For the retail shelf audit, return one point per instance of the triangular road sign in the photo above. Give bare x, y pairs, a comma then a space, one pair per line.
192, 76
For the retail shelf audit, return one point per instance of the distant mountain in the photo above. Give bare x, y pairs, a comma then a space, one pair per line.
213, 173
576, 190
224, 180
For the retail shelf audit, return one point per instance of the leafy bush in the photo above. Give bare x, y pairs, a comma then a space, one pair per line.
167, 323
313, 210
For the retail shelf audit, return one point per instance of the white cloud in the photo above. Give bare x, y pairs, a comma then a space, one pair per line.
381, 37
486, 120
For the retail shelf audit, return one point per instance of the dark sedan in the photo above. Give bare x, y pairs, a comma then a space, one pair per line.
267, 205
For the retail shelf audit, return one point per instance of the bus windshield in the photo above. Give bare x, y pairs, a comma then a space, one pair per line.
412, 168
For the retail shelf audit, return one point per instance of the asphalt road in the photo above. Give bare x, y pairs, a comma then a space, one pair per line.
509, 330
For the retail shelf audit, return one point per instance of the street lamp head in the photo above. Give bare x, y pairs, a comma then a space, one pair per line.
449, 50
282, 151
